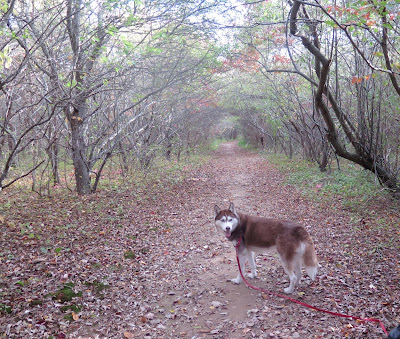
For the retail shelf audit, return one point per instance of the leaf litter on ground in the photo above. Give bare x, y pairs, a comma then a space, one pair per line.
118, 265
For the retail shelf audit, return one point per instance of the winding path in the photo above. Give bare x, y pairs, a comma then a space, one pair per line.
151, 264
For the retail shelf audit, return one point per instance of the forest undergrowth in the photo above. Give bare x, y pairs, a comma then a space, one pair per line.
144, 260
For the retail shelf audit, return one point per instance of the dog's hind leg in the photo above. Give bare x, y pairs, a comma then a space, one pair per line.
288, 267
297, 267
290, 259
297, 271
312, 271
252, 263
310, 259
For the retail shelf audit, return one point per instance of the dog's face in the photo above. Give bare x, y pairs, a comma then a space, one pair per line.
227, 219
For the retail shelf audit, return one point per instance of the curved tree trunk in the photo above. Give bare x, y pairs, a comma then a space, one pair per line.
362, 154
360, 157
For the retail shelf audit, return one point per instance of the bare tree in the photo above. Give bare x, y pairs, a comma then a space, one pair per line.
366, 150
95, 68
343, 58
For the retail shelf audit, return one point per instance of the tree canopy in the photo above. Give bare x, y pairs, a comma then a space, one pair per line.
83, 82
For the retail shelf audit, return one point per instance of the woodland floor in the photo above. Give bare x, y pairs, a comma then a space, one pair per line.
149, 263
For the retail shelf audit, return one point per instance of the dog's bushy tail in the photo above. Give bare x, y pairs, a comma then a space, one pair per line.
310, 261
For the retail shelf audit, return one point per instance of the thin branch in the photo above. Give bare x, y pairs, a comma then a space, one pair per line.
20, 177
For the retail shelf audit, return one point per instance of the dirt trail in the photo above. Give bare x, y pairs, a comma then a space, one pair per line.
203, 303
217, 307
176, 285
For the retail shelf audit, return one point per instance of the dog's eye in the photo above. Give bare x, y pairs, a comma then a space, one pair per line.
229, 219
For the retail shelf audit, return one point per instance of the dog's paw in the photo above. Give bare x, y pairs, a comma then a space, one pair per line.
288, 290
252, 275
236, 281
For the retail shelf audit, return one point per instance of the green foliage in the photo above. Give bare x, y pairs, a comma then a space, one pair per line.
244, 144
165, 173
351, 187
20, 283
98, 288
3, 6
73, 308
36, 302
214, 145
129, 255
5, 309
5, 59
27, 230
66, 293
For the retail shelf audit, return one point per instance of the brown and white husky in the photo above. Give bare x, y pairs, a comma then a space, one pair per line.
292, 242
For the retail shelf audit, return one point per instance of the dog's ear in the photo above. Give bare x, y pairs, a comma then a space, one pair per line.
232, 208
216, 210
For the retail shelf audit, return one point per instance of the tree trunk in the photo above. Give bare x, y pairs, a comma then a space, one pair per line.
78, 147
373, 163
52, 153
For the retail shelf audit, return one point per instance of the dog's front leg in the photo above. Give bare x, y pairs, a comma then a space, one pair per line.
242, 263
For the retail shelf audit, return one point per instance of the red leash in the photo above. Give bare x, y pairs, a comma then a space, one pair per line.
304, 304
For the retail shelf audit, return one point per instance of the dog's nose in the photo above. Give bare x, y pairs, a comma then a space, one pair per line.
227, 228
